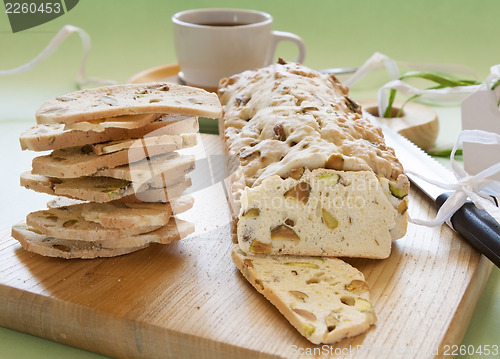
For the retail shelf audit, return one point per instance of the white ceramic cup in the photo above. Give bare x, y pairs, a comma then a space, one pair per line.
215, 43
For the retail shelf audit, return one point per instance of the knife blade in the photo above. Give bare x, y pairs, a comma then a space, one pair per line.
475, 225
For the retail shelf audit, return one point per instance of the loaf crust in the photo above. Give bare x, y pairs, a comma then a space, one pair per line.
287, 116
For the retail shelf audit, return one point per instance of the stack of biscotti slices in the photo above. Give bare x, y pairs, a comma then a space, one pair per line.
316, 181
114, 154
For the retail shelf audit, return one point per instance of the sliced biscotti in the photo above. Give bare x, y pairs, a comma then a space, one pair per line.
105, 189
162, 195
127, 121
127, 215
63, 201
337, 213
285, 118
115, 159
72, 162
36, 242
45, 137
325, 299
135, 214
180, 203
129, 99
171, 142
110, 223
152, 172
69, 223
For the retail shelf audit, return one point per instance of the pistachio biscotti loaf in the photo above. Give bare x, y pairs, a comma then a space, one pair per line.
315, 176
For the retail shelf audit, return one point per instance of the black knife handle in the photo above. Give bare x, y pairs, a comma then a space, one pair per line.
477, 227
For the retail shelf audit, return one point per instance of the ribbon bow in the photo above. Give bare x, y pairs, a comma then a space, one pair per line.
433, 95
467, 186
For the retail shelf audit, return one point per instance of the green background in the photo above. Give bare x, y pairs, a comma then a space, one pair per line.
129, 36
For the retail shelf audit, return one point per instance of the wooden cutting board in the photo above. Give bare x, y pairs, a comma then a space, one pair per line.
187, 300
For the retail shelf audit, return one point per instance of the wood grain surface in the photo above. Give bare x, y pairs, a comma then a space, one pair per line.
188, 300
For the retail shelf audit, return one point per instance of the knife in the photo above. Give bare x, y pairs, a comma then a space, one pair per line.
477, 226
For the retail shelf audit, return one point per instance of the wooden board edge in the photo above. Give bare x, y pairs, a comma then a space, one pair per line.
465, 310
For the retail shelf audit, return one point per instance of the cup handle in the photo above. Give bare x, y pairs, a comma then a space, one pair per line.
279, 36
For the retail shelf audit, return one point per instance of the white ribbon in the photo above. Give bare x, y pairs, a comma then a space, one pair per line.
467, 186
65, 31
445, 95
375, 62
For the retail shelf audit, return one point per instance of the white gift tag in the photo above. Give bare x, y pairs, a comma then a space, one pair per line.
480, 111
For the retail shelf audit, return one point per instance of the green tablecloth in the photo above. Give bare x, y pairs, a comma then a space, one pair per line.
130, 36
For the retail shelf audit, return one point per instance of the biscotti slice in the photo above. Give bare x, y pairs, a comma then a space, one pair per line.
34, 241
75, 162
179, 204
53, 136
68, 223
159, 194
126, 215
63, 202
127, 121
153, 171
129, 99
39, 183
284, 118
93, 189
135, 211
131, 214
325, 299
100, 189
174, 142
322, 212
175, 230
